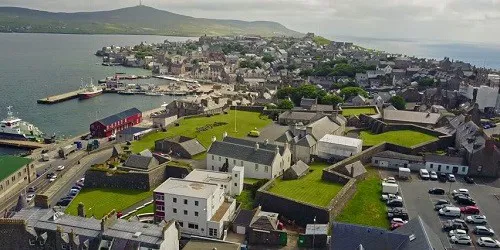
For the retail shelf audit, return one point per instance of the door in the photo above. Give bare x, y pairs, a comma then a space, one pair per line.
455, 170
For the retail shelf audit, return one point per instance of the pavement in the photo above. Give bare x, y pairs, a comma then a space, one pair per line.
419, 203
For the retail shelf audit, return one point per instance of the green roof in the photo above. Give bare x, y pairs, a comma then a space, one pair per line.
10, 164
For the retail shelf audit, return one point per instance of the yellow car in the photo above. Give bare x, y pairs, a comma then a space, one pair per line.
254, 133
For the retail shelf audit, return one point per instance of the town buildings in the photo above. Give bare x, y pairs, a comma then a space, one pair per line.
15, 174
112, 124
338, 147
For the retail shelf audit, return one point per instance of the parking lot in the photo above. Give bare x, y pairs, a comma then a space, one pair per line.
419, 202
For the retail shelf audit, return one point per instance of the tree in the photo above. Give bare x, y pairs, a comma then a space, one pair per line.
331, 99
398, 102
268, 58
285, 104
349, 92
285, 92
425, 82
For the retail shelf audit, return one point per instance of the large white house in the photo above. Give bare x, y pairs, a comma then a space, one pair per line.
232, 182
338, 147
261, 160
200, 208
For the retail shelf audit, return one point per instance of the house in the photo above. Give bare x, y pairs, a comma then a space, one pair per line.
294, 117
197, 105
306, 103
163, 119
260, 227
358, 100
338, 147
40, 228
231, 182
425, 119
112, 124
132, 134
200, 208
261, 160
414, 235
15, 174
446, 164
296, 171
353, 170
395, 160
180, 146
411, 95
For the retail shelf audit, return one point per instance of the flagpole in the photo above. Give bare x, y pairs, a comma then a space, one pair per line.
235, 108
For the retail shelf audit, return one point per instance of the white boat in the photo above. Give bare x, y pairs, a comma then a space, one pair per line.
14, 128
154, 93
90, 91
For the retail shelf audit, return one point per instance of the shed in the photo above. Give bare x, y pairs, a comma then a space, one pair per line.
242, 221
180, 146
131, 134
296, 171
354, 170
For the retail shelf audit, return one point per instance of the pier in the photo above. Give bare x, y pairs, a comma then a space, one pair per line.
59, 98
21, 144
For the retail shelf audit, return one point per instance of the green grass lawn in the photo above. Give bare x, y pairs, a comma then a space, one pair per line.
309, 188
245, 121
250, 181
100, 201
365, 207
355, 111
321, 40
407, 138
147, 209
246, 200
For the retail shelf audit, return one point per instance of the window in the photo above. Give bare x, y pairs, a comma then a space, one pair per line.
220, 158
160, 197
181, 223
235, 184
13, 178
174, 210
235, 175
234, 161
432, 165
31, 242
213, 157
376, 161
464, 169
185, 202
212, 232
196, 214
185, 212
266, 169
196, 203
160, 208
175, 200
256, 167
192, 226
242, 163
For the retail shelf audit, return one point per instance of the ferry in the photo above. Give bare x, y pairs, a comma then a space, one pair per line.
13, 128
90, 91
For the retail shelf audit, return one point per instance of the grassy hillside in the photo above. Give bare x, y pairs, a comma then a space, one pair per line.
133, 20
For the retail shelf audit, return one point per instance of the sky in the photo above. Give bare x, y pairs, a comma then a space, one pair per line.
447, 20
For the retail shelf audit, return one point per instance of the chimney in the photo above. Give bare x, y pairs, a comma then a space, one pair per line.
224, 135
214, 138
81, 209
256, 146
277, 150
266, 141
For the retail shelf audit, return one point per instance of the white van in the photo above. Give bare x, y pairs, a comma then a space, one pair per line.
450, 211
424, 174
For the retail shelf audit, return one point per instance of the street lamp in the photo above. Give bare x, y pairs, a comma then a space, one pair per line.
314, 230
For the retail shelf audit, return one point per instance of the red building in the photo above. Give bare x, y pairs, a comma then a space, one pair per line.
112, 124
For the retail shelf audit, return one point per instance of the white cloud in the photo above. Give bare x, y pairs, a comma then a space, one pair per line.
462, 20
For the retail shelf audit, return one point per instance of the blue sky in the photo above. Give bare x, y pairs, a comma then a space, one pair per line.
452, 20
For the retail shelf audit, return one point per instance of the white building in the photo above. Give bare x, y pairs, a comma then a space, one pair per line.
446, 164
200, 208
261, 160
231, 182
338, 147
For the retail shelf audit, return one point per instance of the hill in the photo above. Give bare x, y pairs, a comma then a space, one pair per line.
138, 20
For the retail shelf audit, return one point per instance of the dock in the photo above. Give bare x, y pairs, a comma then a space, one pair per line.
59, 98
21, 144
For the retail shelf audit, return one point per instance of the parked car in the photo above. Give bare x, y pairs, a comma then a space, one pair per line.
63, 202
30, 197
460, 191
49, 175
488, 242
60, 168
390, 180
482, 230
469, 180
476, 219
438, 207
398, 212
53, 178
457, 232
461, 196
386, 197
461, 239
396, 225
424, 174
395, 203
442, 201
32, 189
466, 201
450, 211
442, 177
455, 224
436, 191
398, 220
76, 187
451, 178
433, 175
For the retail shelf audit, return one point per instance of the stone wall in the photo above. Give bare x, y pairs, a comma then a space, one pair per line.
248, 108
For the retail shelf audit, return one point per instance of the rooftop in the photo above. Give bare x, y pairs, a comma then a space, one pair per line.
120, 116
207, 176
396, 155
134, 130
221, 211
342, 140
411, 116
187, 188
10, 164
445, 159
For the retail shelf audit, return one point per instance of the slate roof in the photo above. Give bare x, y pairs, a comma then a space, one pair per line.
411, 116
262, 145
445, 159
193, 147
132, 130
350, 237
303, 116
265, 221
355, 169
140, 162
469, 136
307, 103
243, 152
307, 141
424, 237
244, 218
298, 168
399, 156
120, 116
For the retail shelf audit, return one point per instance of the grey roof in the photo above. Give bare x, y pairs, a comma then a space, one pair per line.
206, 243
286, 137
244, 218
132, 130
306, 102
411, 116
445, 159
140, 162
355, 169
349, 236
424, 237
193, 147
298, 168
400, 156
243, 152
262, 145
304, 116
322, 107
469, 136
122, 229
307, 141
120, 116
323, 126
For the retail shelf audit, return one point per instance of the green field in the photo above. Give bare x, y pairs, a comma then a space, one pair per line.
309, 188
100, 201
321, 40
407, 138
245, 121
9, 164
246, 200
365, 207
355, 111
250, 181
147, 209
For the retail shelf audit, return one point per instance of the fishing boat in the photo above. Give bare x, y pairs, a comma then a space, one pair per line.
154, 93
126, 92
90, 91
13, 128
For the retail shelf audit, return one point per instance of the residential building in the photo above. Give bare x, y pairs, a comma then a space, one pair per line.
163, 119
15, 174
197, 105
338, 147
112, 124
293, 117
296, 171
358, 100
446, 164
38, 228
425, 119
261, 160
200, 208
231, 182
180, 146
306, 103
132, 134
395, 160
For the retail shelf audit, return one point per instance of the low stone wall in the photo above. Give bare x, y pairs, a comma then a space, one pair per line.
103, 179
340, 201
248, 108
